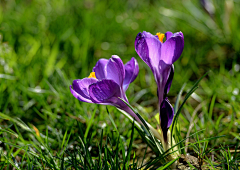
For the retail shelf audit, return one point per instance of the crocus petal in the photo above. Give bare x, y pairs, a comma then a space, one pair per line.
78, 96
161, 77
79, 89
115, 70
100, 69
166, 116
105, 91
168, 35
172, 48
131, 72
121, 105
148, 47
169, 81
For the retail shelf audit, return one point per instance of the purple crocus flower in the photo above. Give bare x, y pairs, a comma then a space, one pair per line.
160, 56
108, 81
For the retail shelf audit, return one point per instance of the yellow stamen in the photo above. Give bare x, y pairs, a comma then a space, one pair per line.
160, 36
92, 75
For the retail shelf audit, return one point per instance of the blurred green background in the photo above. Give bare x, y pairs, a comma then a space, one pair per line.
45, 45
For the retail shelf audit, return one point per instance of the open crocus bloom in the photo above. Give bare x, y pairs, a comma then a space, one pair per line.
108, 81
160, 56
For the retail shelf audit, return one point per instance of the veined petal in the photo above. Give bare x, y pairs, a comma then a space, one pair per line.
78, 96
166, 116
79, 89
104, 91
169, 81
172, 48
131, 72
168, 35
161, 78
100, 69
148, 47
115, 70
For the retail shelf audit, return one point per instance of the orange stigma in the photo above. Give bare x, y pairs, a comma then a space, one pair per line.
36, 131
160, 36
92, 75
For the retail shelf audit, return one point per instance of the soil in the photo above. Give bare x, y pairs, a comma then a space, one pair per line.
185, 161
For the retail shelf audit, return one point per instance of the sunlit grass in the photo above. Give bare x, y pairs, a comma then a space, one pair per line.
44, 45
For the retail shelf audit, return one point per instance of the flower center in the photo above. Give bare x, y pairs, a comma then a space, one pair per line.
160, 36
92, 75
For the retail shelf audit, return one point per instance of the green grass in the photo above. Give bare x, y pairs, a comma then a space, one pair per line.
45, 45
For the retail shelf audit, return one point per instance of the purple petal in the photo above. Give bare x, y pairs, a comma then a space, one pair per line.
166, 116
105, 91
108, 92
161, 77
172, 48
148, 47
169, 81
115, 70
131, 72
79, 89
100, 69
168, 35
121, 105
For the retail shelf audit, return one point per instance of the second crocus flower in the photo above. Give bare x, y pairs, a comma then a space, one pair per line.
160, 56
107, 82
